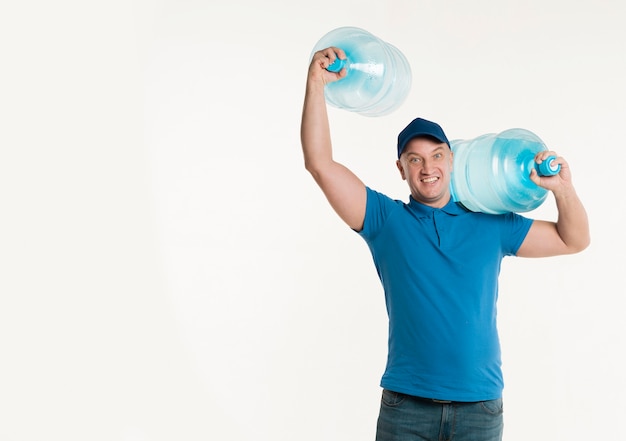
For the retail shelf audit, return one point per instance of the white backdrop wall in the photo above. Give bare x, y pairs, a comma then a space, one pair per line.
169, 271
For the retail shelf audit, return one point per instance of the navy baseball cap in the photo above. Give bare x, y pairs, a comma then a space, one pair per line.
420, 127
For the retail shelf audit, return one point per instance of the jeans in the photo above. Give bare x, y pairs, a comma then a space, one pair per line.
406, 418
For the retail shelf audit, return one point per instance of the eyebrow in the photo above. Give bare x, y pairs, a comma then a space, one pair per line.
436, 150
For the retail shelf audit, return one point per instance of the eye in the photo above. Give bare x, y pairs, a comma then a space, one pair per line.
438, 155
415, 160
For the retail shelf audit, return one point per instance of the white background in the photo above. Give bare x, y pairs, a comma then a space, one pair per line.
168, 269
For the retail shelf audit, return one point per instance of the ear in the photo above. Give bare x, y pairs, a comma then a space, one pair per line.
399, 165
451, 161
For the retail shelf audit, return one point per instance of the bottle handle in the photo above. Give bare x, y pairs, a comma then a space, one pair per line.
546, 168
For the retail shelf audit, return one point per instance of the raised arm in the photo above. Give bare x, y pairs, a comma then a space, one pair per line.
570, 234
345, 192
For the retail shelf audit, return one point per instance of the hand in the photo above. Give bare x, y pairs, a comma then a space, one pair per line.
321, 60
557, 183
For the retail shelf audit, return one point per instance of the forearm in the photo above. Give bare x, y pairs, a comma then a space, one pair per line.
315, 129
572, 224
570, 233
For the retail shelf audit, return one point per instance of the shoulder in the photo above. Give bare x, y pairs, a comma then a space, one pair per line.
376, 198
378, 209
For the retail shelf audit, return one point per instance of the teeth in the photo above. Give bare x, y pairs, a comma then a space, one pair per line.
429, 180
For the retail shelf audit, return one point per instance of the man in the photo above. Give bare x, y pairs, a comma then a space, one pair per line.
439, 265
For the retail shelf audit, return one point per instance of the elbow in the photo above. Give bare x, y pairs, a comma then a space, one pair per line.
580, 245
316, 168
585, 240
585, 244
312, 169
309, 165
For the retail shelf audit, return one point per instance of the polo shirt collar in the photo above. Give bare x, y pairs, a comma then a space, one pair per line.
452, 208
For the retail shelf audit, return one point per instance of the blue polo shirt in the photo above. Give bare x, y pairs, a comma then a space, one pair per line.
439, 269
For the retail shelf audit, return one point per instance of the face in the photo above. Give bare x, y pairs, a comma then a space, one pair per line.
426, 165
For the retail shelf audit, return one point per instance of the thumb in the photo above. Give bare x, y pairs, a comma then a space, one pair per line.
534, 176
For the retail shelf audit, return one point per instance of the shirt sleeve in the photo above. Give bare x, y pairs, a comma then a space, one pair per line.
378, 208
517, 228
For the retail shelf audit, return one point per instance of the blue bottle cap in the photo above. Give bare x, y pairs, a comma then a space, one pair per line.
546, 168
337, 65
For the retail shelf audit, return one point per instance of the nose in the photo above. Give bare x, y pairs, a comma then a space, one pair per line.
427, 166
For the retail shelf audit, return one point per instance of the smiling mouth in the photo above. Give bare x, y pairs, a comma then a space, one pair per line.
430, 180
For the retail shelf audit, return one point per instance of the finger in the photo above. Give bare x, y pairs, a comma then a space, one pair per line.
331, 53
327, 53
534, 176
339, 52
325, 59
543, 155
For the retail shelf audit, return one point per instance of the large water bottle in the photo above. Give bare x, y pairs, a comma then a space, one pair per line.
378, 75
492, 172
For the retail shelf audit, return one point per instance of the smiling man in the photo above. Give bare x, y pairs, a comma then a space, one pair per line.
425, 162
439, 265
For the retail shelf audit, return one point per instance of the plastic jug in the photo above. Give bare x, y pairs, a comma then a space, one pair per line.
378, 75
491, 173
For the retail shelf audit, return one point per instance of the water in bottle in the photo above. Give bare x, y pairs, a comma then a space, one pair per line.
492, 172
378, 76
